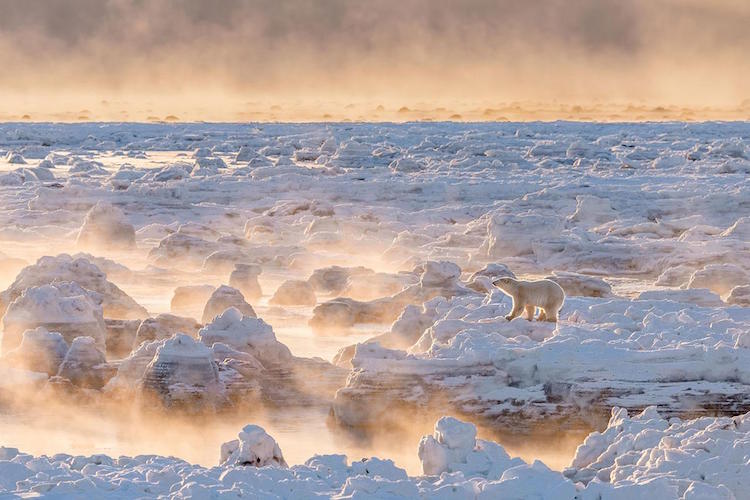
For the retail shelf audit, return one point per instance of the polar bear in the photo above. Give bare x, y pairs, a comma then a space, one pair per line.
528, 295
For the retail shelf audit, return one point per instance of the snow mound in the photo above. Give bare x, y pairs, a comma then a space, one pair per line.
294, 293
163, 327
85, 365
62, 306
454, 447
334, 279
189, 299
254, 447
719, 278
116, 304
698, 296
222, 299
247, 334
15, 158
40, 351
648, 454
740, 296
183, 374
510, 235
581, 285
244, 278
740, 229
592, 211
106, 226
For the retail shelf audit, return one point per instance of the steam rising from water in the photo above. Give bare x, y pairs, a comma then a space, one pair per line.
49, 422
334, 59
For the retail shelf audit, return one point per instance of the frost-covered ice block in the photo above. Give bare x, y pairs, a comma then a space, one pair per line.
63, 307
739, 230
719, 278
15, 158
85, 365
164, 326
740, 296
40, 351
183, 247
120, 336
105, 226
592, 211
481, 280
246, 334
698, 296
187, 300
581, 285
130, 369
183, 374
454, 448
510, 235
294, 293
254, 447
334, 279
436, 279
116, 304
244, 277
222, 299
636, 451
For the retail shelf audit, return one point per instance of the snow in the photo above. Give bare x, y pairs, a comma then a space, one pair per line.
62, 306
244, 277
116, 303
394, 233
253, 447
106, 225
246, 334
223, 298
635, 456
294, 293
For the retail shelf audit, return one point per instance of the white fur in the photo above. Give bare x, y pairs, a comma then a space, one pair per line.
528, 295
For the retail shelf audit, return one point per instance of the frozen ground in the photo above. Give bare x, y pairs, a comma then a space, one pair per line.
358, 260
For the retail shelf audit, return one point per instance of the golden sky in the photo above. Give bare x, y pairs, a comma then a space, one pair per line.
380, 59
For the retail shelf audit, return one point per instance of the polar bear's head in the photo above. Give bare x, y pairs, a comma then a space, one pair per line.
505, 284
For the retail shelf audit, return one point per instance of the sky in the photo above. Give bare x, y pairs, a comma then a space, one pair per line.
235, 60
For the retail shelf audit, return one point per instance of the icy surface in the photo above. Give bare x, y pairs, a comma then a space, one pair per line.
643, 456
394, 234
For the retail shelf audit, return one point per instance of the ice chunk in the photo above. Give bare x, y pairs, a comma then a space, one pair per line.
85, 365
222, 299
40, 351
62, 306
106, 226
334, 279
116, 304
581, 285
164, 326
294, 293
244, 278
253, 448
15, 158
453, 447
246, 334
740, 296
698, 296
592, 211
510, 235
187, 300
719, 278
183, 374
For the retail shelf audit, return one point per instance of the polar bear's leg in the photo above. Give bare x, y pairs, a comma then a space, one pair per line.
530, 311
551, 313
517, 308
542, 315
